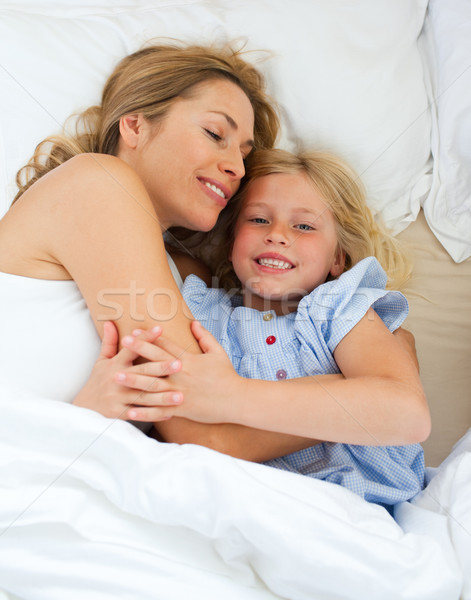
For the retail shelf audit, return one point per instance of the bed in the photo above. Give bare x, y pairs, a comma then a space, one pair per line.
91, 507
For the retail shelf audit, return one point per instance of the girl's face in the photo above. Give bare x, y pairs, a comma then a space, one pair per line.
285, 242
192, 162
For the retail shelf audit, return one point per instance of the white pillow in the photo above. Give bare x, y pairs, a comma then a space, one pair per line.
347, 75
448, 209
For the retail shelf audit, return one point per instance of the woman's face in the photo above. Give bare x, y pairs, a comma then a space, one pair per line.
192, 162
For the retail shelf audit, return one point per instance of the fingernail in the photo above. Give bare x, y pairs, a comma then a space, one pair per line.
175, 365
137, 332
127, 339
132, 414
177, 398
156, 329
120, 377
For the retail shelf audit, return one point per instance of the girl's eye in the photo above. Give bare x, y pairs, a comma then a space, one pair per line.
213, 135
305, 227
259, 220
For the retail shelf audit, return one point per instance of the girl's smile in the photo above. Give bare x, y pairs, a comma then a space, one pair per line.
285, 241
273, 263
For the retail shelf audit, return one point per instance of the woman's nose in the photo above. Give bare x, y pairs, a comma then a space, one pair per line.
233, 165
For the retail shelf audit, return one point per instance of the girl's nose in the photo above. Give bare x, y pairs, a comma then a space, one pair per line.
277, 235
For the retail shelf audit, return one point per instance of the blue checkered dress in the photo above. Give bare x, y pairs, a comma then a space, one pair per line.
262, 345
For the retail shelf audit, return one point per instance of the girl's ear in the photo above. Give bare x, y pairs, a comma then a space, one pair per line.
338, 266
130, 129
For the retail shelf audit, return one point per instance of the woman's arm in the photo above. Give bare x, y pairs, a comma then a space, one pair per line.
110, 241
92, 220
238, 441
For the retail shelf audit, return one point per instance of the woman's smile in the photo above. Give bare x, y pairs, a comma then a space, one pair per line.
216, 190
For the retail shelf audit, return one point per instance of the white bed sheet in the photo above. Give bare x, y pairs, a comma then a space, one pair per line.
93, 508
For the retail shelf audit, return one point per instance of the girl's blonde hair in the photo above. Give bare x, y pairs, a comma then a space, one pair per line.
148, 82
359, 235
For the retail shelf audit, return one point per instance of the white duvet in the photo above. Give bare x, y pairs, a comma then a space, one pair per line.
92, 508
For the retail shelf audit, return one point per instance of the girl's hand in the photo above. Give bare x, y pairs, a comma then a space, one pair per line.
103, 393
206, 383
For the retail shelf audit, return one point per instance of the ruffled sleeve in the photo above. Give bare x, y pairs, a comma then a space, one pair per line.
328, 313
209, 305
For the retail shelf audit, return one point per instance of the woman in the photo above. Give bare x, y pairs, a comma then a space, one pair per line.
83, 241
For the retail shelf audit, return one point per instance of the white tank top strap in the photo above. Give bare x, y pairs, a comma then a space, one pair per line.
175, 273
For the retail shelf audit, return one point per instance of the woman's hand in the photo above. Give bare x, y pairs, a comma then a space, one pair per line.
206, 384
103, 393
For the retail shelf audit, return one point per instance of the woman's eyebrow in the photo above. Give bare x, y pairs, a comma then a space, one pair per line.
233, 125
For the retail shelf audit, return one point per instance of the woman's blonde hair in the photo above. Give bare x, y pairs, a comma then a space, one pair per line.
148, 82
359, 235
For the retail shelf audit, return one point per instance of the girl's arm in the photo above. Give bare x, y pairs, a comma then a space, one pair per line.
380, 401
407, 342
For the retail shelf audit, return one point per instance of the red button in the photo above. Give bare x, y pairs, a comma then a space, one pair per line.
271, 339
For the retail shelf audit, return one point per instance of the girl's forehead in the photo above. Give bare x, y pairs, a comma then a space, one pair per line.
285, 190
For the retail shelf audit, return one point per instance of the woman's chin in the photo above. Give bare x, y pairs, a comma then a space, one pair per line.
206, 224
204, 221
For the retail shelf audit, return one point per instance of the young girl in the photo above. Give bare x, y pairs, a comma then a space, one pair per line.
301, 270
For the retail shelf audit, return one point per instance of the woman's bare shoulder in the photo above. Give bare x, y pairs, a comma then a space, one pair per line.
87, 161
90, 184
87, 169
95, 191
89, 201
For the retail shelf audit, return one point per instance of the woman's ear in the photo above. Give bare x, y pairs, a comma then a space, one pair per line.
338, 266
130, 129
